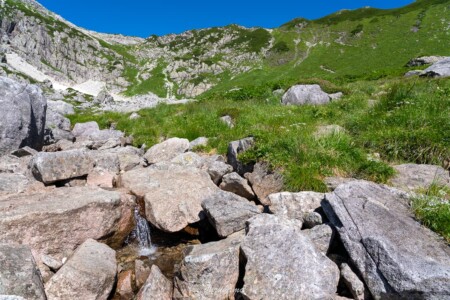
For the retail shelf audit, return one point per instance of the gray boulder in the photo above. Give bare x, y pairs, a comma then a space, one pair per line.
411, 177
352, 281
424, 60
228, 212
397, 257
439, 69
57, 166
216, 169
227, 120
305, 94
283, 263
85, 129
89, 274
13, 183
156, 287
166, 150
264, 182
103, 98
19, 275
198, 142
22, 116
172, 194
294, 205
209, 271
321, 236
234, 149
234, 183
61, 107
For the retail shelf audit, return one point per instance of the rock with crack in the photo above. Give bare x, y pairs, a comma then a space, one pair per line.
209, 271
172, 194
156, 287
283, 263
89, 274
22, 116
412, 177
56, 223
166, 150
264, 182
294, 205
397, 257
19, 275
234, 183
228, 212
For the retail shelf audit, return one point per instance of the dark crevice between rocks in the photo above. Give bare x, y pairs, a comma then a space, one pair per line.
240, 283
72, 182
114, 288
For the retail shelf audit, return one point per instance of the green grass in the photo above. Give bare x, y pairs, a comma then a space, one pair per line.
155, 83
432, 208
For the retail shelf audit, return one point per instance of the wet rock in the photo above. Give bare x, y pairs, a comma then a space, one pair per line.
228, 212
305, 94
397, 257
166, 150
411, 177
283, 263
19, 275
352, 281
57, 166
89, 274
264, 182
234, 149
156, 287
234, 183
295, 205
209, 271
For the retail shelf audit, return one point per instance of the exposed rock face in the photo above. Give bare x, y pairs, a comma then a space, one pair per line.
228, 212
11, 183
22, 116
234, 183
305, 94
166, 150
283, 263
56, 223
411, 177
234, 149
321, 236
264, 182
89, 274
295, 205
397, 257
19, 275
57, 166
156, 287
209, 271
439, 69
173, 194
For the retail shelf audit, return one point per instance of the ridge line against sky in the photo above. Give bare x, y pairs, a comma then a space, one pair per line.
144, 18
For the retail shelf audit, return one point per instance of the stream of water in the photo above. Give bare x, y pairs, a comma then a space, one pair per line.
143, 237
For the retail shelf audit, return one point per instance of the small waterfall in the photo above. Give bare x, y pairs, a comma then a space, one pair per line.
143, 234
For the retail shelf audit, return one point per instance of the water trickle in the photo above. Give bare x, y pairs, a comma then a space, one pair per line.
143, 235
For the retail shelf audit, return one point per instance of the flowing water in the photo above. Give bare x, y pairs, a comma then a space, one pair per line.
143, 235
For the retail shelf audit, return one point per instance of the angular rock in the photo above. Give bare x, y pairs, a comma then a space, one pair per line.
85, 129
321, 236
25, 151
209, 271
57, 166
22, 116
352, 281
19, 275
294, 205
283, 263
312, 219
173, 195
89, 274
188, 159
156, 287
124, 287
61, 107
198, 142
234, 183
56, 223
397, 257
411, 177
234, 149
141, 272
11, 183
333, 182
166, 150
439, 69
305, 94
264, 182
228, 212
216, 170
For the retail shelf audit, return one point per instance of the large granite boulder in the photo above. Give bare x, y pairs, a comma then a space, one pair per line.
305, 94
397, 257
85, 129
89, 274
22, 116
228, 212
172, 194
52, 167
19, 275
166, 150
56, 223
156, 287
412, 177
295, 205
209, 271
283, 263
439, 69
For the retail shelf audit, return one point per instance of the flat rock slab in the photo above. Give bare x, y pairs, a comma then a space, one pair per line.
166, 150
19, 275
397, 257
57, 166
172, 194
294, 205
411, 177
56, 223
228, 212
11, 183
283, 263
210, 271
89, 274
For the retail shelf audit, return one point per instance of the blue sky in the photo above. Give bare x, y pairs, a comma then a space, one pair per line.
144, 18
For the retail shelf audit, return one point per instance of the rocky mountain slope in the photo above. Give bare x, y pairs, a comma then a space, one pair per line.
188, 64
